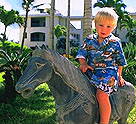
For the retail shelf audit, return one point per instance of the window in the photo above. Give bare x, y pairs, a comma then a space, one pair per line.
38, 22
75, 39
37, 36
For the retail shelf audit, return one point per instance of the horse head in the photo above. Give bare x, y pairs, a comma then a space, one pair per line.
33, 75
61, 66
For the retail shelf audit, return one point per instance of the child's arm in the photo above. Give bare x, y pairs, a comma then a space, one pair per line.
84, 66
121, 80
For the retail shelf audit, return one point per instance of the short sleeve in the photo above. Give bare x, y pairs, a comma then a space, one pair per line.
82, 52
120, 58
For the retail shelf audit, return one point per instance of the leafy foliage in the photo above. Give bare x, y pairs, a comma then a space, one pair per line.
130, 24
130, 51
61, 45
60, 31
74, 51
9, 18
12, 64
11, 57
132, 36
129, 71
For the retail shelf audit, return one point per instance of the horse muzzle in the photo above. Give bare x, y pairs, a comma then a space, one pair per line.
26, 92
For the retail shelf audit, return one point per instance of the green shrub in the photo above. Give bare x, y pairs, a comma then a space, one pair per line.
130, 51
74, 51
129, 71
12, 63
10, 55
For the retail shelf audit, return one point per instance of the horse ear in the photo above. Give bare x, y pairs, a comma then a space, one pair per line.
37, 47
45, 47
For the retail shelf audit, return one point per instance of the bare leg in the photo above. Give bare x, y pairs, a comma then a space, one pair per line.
104, 106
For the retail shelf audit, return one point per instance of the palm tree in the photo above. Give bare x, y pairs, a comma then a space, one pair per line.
51, 40
117, 4
87, 20
8, 18
68, 30
27, 5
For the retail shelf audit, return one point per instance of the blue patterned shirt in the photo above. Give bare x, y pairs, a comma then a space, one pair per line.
104, 58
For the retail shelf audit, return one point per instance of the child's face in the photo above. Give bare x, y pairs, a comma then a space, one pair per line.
104, 28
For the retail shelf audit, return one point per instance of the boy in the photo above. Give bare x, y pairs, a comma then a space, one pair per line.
103, 55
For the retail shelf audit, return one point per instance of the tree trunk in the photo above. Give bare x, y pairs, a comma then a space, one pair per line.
24, 32
68, 30
10, 92
17, 75
51, 39
87, 20
4, 37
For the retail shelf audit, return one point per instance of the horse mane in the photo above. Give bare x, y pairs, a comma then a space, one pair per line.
71, 75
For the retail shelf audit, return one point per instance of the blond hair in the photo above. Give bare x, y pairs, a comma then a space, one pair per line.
106, 14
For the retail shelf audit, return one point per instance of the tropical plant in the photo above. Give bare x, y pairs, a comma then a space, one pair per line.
60, 31
74, 51
87, 20
131, 35
130, 51
129, 71
130, 24
8, 18
117, 4
12, 63
61, 45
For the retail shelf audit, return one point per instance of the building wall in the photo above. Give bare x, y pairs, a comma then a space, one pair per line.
30, 30
59, 19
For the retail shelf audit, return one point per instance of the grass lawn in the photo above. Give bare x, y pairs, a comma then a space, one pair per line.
38, 109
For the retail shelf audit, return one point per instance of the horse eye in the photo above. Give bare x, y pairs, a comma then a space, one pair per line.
39, 65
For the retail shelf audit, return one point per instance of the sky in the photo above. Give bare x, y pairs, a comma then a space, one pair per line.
77, 7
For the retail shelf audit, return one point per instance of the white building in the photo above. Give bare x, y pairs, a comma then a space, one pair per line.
38, 28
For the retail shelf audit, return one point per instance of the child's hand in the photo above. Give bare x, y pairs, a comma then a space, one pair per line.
84, 67
121, 81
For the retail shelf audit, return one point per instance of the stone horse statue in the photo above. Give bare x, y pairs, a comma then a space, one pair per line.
73, 93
